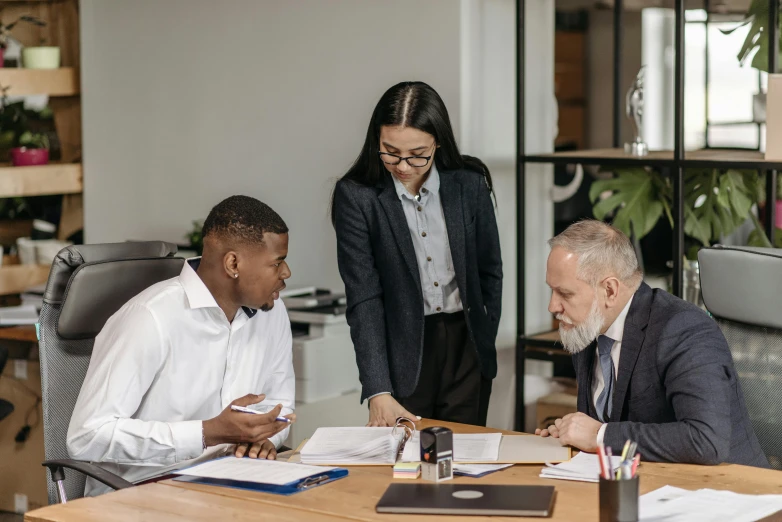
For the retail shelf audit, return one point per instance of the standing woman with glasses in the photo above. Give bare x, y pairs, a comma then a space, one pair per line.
419, 253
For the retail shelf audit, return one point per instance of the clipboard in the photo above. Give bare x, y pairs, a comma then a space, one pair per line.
317, 479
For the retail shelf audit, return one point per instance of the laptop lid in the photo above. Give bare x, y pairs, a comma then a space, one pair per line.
467, 499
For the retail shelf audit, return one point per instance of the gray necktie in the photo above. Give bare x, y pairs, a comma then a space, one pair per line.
603, 403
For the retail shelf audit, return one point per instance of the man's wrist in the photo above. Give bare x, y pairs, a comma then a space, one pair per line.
601, 433
378, 395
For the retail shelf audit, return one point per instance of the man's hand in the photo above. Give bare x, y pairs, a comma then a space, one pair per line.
259, 450
235, 427
384, 410
575, 429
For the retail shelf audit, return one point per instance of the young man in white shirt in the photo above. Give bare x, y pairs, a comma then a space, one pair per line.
169, 364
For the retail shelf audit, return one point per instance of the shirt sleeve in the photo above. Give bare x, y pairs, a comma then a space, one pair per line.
127, 355
281, 386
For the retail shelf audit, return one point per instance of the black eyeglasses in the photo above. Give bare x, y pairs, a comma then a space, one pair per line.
413, 161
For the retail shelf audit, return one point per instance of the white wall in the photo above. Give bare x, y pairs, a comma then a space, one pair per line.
187, 102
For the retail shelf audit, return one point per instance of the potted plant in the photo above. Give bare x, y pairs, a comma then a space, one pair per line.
33, 149
716, 203
5, 31
41, 57
755, 45
194, 238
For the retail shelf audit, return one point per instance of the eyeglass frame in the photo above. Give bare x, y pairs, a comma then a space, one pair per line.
407, 159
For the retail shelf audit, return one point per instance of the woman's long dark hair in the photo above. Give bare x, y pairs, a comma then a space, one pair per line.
416, 105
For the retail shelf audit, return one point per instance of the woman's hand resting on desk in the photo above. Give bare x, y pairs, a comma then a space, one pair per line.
384, 410
259, 450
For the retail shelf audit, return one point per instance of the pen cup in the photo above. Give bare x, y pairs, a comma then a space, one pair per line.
619, 500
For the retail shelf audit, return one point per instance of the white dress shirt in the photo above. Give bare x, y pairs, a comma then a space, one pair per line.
615, 332
166, 361
426, 222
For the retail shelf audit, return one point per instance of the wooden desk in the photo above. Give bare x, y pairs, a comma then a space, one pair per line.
354, 497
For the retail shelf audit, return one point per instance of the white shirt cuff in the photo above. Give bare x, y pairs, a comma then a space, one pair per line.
188, 439
601, 433
375, 395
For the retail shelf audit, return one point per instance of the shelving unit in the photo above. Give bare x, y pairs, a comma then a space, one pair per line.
673, 163
62, 86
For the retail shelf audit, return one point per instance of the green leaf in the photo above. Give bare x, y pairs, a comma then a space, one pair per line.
696, 227
635, 200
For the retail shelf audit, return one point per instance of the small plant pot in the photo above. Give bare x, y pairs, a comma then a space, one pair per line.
41, 57
24, 157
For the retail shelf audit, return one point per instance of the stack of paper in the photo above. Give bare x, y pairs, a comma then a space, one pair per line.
473, 447
18, 315
260, 471
407, 470
583, 467
352, 446
477, 470
705, 505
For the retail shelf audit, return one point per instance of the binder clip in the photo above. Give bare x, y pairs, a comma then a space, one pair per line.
436, 454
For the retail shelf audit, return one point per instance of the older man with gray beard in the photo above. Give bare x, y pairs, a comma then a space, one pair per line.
650, 367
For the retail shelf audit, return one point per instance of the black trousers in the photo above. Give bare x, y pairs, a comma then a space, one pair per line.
450, 386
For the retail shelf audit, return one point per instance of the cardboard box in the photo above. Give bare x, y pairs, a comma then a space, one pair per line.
569, 47
553, 407
22, 478
774, 118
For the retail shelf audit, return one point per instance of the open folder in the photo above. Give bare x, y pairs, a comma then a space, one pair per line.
269, 476
382, 446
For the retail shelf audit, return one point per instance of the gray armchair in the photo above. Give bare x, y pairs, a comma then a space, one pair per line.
87, 285
742, 289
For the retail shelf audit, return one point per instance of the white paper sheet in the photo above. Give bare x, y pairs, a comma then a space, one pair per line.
672, 504
583, 467
472, 447
352, 445
475, 470
260, 471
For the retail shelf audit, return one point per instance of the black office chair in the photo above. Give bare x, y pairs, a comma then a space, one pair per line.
742, 288
87, 285
6, 408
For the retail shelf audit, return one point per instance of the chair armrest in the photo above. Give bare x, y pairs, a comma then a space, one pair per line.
91, 470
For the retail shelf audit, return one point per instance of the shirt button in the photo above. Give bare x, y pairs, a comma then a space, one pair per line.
419, 209
423, 190
423, 234
439, 309
436, 283
429, 259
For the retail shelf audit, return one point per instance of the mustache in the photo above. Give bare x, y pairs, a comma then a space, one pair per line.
564, 319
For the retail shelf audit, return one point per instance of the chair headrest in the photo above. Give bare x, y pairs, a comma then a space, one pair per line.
70, 258
97, 290
742, 284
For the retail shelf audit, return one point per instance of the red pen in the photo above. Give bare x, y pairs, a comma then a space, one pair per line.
636, 462
601, 461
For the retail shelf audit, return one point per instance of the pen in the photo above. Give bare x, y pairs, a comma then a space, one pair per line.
626, 449
601, 461
248, 410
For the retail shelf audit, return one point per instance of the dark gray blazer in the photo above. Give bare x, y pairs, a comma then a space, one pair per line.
677, 393
383, 287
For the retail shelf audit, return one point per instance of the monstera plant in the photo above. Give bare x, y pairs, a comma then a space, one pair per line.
757, 38
716, 202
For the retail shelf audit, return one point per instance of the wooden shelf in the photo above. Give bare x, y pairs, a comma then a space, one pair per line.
55, 178
15, 279
54, 82
708, 158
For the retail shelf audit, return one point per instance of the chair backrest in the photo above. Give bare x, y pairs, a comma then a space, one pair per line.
742, 289
86, 286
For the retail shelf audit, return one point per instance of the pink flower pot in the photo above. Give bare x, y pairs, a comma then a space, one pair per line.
2, 56
24, 157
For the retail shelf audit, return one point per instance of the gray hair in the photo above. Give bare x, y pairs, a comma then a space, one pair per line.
602, 251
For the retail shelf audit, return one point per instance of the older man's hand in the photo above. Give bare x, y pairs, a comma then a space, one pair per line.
575, 429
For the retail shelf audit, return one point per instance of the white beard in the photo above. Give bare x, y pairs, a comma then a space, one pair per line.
576, 339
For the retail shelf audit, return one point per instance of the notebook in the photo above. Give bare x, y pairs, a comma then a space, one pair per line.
467, 499
270, 476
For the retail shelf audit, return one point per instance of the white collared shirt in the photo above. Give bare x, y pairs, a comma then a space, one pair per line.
615, 332
426, 222
166, 361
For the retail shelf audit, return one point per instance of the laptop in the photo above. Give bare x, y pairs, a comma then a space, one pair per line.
467, 499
